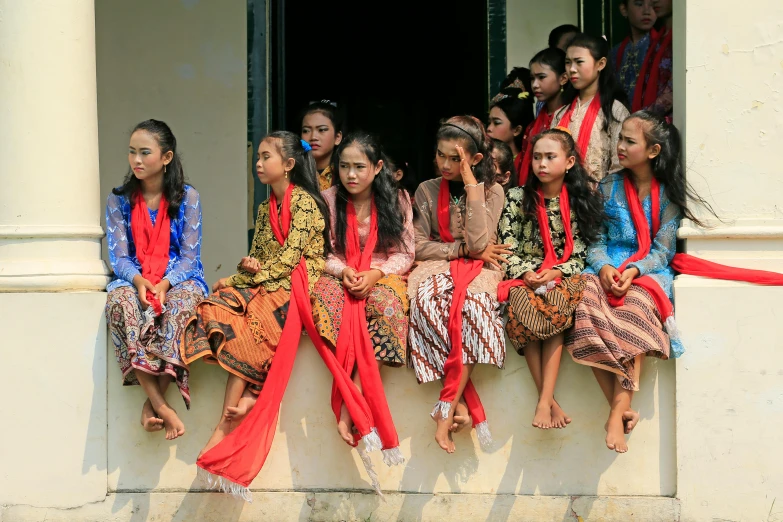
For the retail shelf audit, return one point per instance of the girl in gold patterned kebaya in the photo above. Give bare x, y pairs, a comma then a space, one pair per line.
548, 224
240, 324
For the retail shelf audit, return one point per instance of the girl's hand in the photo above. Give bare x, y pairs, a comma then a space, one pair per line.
465, 168
142, 285
161, 289
366, 281
529, 278
608, 275
546, 276
220, 284
620, 288
493, 255
250, 264
349, 278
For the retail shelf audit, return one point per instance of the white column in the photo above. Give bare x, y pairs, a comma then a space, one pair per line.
730, 380
53, 373
49, 184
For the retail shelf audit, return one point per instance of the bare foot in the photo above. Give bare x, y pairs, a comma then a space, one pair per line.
615, 433
543, 417
174, 427
557, 405
461, 418
559, 417
243, 407
149, 419
345, 427
630, 419
223, 428
443, 435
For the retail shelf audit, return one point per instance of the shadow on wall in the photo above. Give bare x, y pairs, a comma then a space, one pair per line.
308, 455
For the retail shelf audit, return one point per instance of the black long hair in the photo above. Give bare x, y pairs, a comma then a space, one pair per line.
304, 174
519, 111
558, 32
174, 175
391, 218
585, 202
608, 88
504, 157
471, 133
667, 165
554, 58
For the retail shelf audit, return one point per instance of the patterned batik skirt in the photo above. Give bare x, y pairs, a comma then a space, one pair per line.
151, 346
239, 329
387, 315
611, 338
537, 317
483, 340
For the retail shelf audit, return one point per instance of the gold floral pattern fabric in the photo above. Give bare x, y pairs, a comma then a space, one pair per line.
325, 178
521, 232
278, 261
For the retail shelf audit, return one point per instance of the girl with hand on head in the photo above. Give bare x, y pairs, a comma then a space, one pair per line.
455, 316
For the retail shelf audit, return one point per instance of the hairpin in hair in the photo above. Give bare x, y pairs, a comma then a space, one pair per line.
563, 129
523, 95
326, 102
517, 84
306, 146
499, 96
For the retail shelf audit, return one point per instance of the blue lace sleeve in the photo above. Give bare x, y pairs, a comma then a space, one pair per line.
188, 265
123, 261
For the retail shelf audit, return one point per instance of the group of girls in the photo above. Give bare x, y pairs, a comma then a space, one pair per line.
579, 255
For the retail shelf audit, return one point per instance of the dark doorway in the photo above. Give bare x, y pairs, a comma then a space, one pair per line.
396, 68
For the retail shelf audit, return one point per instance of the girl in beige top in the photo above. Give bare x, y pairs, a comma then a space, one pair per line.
598, 108
474, 206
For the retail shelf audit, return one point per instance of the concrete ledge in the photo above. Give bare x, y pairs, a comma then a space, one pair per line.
339, 506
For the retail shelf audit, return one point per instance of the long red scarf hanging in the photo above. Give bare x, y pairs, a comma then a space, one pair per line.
646, 92
523, 161
586, 128
550, 257
152, 243
682, 263
354, 346
235, 461
463, 272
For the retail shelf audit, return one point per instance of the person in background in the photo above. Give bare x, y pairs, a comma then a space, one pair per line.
628, 56
322, 128
561, 35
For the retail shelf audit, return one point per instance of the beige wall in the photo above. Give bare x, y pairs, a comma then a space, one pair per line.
528, 25
183, 62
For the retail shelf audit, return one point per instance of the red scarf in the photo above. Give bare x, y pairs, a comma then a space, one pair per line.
463, 272
619, 60
523, 161
550, 257
586, 129
152, 243
238, 458
682, 263
353, 342
646, 92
